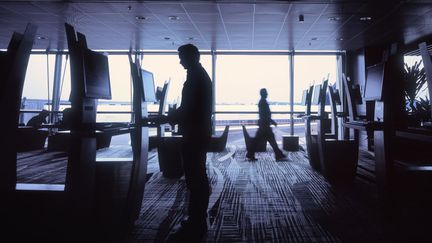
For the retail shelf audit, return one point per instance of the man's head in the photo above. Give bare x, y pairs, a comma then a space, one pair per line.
189, 55
263, 93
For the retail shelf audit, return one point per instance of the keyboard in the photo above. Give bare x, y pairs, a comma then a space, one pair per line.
359, 122
108, 125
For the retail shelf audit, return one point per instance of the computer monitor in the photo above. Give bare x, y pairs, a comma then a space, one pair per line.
148, 86
316, 94
163, 98
357, 95
335, 96
96, 72
374, 82
304, 97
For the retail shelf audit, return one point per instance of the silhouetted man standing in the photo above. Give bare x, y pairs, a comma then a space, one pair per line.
264, 129
194, 119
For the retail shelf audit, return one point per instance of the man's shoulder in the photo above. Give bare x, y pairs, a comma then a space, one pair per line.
262, 102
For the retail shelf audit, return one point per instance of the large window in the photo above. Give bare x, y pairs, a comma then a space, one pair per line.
38, 84
168, 67
311, 70
239, 79
120, 80
410, 61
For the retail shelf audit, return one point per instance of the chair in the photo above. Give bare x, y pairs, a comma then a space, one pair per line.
218, 144
338, 157
311, 139
261, 146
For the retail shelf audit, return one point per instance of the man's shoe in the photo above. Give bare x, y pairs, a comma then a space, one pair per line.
251, 157
189, 232
281, 157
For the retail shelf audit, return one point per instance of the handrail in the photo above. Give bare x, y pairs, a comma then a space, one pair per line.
256, 112
216, 112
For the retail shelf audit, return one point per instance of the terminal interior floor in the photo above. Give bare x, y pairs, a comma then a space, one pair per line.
262, 201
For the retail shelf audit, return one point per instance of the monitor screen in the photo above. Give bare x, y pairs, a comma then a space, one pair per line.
336, 97
374, 82
316, 94
356, 93
148, 86
304, 97
97, 80
163, 98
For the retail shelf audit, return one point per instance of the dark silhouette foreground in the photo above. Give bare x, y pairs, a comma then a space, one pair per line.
194, 120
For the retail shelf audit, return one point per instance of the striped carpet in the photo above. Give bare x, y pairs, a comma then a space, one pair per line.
262, 201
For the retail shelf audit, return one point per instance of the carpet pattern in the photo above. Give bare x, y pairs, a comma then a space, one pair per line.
262, 201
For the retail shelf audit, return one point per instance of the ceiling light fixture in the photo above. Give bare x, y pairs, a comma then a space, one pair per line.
167, 38
335, 18
339, 39
42, 38
314, 38
190, 38
173, 18
141, 18
365, 18
301, 18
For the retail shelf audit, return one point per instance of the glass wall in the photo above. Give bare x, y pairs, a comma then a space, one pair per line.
417, 99
38, 85
168, 68
310, 70
239, 79
410, 61
121, 92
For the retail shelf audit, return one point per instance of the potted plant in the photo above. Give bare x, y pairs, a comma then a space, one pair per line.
417, 108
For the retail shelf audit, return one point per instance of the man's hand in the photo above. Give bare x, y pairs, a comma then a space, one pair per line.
274, 123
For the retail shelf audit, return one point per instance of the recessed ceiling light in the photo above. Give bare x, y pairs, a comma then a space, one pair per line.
141, 18
190, 38
335, 18
301, 18
42, 38
167, 38
339, 39
365, 18
173, 18
314, 38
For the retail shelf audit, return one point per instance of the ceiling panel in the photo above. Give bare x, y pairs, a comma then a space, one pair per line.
241, 25
23, 7
163, 8
200, 8
94, 7
269, 18
268, 8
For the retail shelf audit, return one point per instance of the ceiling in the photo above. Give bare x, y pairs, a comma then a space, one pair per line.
220, 25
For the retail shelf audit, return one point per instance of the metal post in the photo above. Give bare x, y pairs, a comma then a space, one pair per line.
291, 60
213, 91
56, 86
